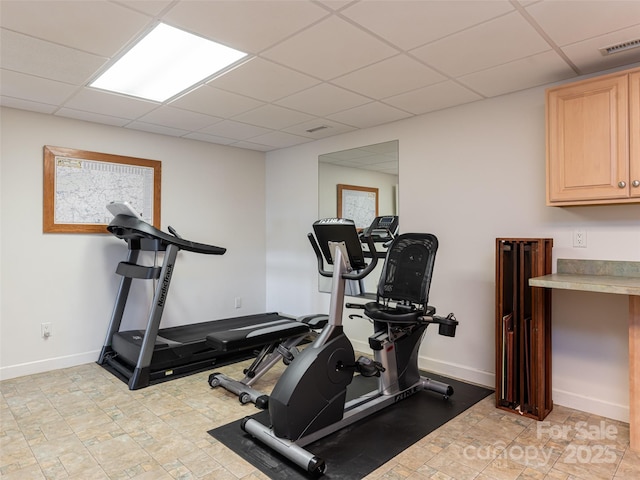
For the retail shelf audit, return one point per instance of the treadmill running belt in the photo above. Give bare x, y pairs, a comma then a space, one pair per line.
183, 349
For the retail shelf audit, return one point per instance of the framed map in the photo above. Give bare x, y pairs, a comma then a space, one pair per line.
359, 204
79, 184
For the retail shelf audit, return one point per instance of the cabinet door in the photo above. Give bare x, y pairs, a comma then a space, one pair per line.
587, 140
634, 133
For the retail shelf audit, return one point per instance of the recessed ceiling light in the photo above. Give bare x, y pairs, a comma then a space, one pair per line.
166, 62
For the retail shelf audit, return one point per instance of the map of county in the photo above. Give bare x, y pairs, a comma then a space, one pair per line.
84, 188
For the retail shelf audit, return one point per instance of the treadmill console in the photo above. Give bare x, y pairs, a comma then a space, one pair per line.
382, 229
123, 208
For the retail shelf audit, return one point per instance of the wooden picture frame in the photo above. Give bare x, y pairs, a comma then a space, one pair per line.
78, 185
357, 203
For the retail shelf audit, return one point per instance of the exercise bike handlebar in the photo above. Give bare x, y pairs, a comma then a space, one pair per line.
354, 275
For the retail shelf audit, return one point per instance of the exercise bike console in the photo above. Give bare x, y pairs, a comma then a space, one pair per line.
340, 233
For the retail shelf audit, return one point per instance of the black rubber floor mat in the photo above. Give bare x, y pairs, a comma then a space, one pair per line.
357, 450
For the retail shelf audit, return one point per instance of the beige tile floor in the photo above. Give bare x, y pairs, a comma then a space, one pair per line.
82, 423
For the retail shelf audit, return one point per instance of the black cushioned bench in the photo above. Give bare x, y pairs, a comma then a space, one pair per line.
251, 335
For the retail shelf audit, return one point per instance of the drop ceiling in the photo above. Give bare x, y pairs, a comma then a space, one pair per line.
316, 68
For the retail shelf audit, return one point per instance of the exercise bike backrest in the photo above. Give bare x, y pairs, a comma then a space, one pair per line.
330, 232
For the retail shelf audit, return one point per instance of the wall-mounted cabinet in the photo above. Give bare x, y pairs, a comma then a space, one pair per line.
593, 140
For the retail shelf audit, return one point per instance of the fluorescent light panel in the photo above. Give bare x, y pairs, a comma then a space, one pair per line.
166, 62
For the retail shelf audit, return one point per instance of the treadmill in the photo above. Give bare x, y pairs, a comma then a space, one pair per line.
383, 230
144, 357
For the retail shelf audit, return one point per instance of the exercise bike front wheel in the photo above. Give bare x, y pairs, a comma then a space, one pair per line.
298, 455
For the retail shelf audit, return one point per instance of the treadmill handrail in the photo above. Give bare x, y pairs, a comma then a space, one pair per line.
127, 228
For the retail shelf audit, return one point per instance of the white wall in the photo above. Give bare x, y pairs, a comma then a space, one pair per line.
468, 174
210, 194
471, 174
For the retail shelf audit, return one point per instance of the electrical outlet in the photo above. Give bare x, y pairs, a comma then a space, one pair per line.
45, 329
579, 239
238, 302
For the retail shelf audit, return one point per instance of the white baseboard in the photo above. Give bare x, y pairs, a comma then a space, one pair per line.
592, 405
458, 372
41, 366
572, 400
576, 401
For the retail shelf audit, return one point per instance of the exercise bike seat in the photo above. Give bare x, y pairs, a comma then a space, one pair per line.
403, 289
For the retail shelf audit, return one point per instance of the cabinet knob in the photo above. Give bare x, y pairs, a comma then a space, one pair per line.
622, 184
636, 183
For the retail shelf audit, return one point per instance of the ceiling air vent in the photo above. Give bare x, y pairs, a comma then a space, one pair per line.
620, 47
316, 129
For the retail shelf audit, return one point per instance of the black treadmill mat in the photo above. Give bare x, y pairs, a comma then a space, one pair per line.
359, 449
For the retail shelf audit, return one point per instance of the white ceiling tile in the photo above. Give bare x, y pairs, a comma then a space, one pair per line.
263, 80
234, 130
387, 149
323, 100
248, 25
27, 105
434, 97
389, 77
335, 4
150, 7
329, 49
409, 23
92, 117
215, 102
587, 57
279, 139
178, 118
97, 27
381, 157
25, 54
339, 63
529, 72
110, 104
332, 128
573, 21
273, 116
35, 89
252, 146
352, 155
204, 137
495, 42
160, 129
374, 113
385, 167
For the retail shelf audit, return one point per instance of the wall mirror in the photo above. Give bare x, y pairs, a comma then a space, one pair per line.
360, 171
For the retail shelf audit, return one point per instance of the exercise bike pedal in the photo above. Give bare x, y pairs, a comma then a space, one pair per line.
368, 368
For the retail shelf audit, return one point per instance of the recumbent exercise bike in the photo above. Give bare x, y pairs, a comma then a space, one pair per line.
309, 400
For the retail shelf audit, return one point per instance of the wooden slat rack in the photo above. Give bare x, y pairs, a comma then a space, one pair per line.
523, 327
